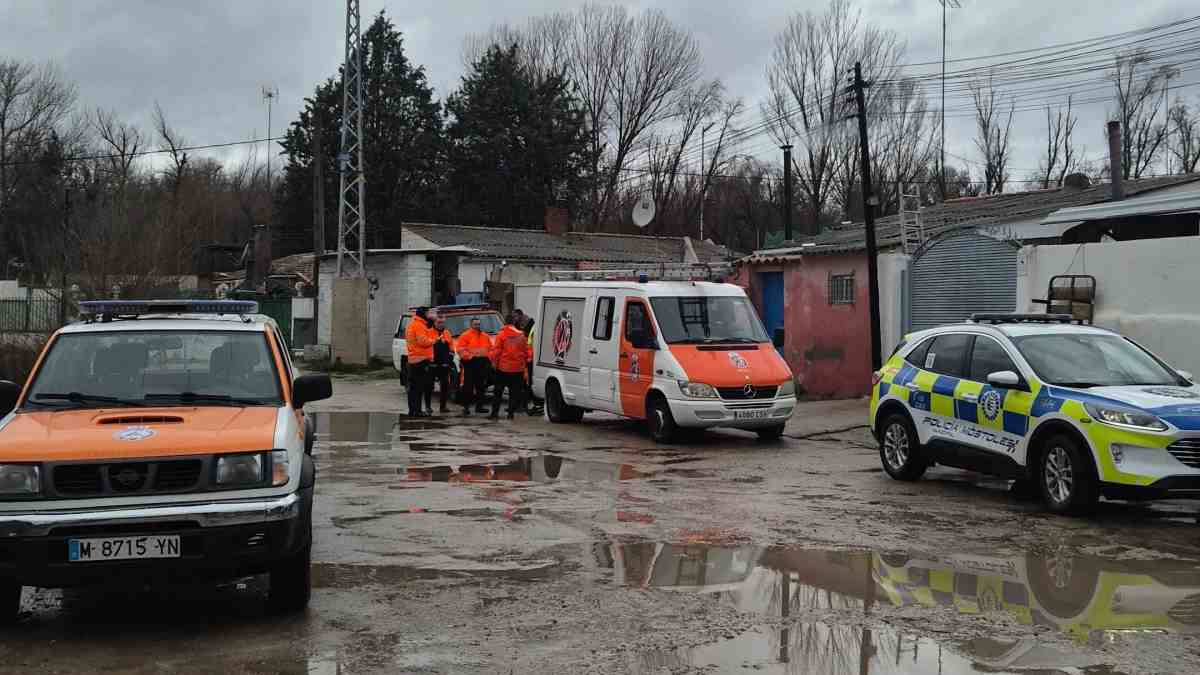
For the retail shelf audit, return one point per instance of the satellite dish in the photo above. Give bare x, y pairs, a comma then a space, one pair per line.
643, 211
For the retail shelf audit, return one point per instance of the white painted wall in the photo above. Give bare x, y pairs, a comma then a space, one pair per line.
891, 299
472, 274
1145, 290
302, 308
405, 280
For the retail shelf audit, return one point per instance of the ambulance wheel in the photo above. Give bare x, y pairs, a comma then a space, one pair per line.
660, 420
899, 449
557, 409
10, 602
771, 433
1066, 477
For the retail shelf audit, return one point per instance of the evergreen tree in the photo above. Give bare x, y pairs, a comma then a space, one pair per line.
517, 143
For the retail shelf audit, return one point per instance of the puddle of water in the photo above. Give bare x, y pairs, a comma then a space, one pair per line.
352, 427
1084, 597
535, 469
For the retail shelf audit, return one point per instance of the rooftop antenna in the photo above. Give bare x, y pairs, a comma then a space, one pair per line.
269, 94
352, 195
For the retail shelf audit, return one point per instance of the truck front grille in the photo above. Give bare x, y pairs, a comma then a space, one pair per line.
126, 478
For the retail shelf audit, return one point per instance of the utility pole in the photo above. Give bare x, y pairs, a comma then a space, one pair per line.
703, 177
942, 174
318, 154
787, 192
869, 202
352, 194
269, 94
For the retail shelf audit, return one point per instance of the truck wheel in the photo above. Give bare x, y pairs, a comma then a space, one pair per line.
291, 582
10, 602
660, 420
557, 409
1066, 477
899, 449
404, 371
771, 433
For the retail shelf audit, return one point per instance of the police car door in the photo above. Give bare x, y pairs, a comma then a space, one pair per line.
932, 391
998, 418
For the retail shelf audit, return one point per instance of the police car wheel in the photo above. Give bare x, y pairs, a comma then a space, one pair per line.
1066, 478
899, 450
660, 420
10, 601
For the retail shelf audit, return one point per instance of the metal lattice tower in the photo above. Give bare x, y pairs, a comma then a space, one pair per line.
352, 196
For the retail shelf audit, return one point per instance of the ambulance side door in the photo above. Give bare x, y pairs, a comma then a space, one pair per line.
639, 343
603, 347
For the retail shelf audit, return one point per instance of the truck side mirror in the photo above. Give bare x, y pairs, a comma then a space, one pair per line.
9, 393
309, 388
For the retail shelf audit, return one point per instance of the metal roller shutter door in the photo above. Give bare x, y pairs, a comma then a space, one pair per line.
961, 275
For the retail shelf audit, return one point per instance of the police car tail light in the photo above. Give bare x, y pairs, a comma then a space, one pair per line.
1124, 417
876, 377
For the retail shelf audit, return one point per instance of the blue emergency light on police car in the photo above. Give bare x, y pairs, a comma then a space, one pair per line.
131, 308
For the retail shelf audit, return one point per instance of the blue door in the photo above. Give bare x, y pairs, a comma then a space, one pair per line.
771, 284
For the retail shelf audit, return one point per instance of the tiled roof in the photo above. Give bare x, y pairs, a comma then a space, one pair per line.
1002, 209
542, 246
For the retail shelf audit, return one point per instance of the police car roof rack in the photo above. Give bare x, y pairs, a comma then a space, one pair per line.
1020, 318
648, 272
104, 311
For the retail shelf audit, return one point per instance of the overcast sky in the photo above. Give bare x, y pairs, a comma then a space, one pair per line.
205, 61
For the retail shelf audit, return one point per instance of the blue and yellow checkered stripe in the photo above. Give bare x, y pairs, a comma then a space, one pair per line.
1000, 409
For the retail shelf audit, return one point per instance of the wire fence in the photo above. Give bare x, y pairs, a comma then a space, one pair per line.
33, 315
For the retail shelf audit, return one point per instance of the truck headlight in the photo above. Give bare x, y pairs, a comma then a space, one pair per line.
1124, 418
240, 469
20, 479
788, 388
697, 389
280, 465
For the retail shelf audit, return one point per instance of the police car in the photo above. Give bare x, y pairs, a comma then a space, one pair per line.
1077, 411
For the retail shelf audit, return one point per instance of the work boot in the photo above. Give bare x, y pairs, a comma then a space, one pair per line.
466, 412
495, 415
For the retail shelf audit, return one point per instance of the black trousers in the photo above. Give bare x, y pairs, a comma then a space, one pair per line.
515, 384
474, 382
438, 374
418, 382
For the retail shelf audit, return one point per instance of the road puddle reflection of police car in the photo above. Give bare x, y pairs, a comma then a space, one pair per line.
1077, 411
159, 440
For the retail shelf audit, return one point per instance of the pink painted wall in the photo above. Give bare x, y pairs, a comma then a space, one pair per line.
827, 346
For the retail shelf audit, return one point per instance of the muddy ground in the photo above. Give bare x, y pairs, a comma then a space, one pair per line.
469, 546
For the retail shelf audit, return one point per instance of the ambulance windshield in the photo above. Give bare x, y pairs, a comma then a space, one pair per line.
705, 320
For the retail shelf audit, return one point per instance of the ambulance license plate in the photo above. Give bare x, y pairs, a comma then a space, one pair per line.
751, 414
123, 548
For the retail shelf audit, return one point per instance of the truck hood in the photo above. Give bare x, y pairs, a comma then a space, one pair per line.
1176, 405
731, 366
128, 433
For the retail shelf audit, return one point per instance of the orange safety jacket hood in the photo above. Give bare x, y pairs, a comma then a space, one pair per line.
511, 351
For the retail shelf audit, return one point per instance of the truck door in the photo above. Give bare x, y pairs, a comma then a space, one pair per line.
636, 362
602, 352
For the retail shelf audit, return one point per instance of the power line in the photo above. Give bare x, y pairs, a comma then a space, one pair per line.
143, 153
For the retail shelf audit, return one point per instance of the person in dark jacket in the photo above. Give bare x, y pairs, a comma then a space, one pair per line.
443, 361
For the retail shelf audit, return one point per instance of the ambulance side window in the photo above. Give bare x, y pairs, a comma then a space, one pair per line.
989, 357
637, 326
604, 319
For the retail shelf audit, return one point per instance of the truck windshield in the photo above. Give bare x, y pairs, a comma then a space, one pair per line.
458, 324
1093, 361
158, 368
702, 320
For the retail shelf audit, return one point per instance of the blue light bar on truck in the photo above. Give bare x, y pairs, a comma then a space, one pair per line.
115, 308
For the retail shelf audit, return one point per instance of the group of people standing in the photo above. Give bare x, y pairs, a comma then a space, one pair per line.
430, 361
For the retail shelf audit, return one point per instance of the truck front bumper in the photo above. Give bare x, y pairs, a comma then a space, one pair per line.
225, 539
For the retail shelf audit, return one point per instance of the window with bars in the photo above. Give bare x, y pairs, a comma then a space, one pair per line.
841, 289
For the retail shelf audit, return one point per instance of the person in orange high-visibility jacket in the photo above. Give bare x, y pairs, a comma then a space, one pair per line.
474, 349
510, 353
419, 338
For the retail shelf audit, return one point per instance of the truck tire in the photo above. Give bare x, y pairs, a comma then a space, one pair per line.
660, 420
10, 602
557, 409
1067, 477
900, 450
291, 581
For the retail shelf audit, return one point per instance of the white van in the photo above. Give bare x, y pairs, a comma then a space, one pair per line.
675, 353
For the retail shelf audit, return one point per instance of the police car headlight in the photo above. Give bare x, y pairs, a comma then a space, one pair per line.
1125, 418
20, 479
697, 389
788, 388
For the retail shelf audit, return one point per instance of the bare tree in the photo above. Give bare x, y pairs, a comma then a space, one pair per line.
121, 143
1061, 157
1184, 124
904, 142
1140, 103
34, 100
806, 106
992, 132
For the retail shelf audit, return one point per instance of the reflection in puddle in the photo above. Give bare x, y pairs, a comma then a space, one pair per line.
353, 427
536, 469
1083, 597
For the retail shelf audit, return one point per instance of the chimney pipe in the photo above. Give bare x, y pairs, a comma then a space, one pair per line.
1114, 161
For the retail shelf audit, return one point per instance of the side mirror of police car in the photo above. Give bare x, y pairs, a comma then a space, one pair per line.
1004, 379
1186, 375
9, 393
309, 388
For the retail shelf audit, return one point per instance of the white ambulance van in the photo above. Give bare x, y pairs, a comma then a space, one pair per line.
674, 352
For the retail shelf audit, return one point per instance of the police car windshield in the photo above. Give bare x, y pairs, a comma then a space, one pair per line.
458, 324
1073, 360
708, 319
156, 368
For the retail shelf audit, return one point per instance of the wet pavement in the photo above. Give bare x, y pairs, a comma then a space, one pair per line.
463, 545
